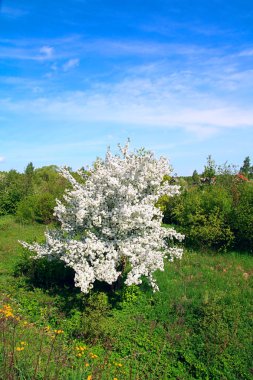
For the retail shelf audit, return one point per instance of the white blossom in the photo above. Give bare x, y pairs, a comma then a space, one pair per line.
111, 221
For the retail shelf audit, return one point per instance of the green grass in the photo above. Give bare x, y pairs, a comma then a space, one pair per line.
199, 326
10, 233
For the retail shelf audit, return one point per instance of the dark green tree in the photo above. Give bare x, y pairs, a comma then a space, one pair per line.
28, 180
246, 167
29, 170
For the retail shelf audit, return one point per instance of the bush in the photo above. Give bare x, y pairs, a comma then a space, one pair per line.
204, 216
210, 231
11, 191
36, 208
43, 273
242, 217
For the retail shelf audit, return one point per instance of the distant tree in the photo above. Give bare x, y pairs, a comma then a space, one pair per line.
227, 175
12, 190
195, 177
28, 181
29, 170
210, 169
246, 166
42, 187
227, 169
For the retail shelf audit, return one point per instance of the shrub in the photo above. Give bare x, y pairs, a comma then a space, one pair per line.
110, 222
43, 273
36, 208
11, 191
242, 216
203, 213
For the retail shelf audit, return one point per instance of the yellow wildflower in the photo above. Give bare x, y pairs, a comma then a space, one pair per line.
89, 377
20, 348
118, 364
58, 331
9, 314
7, 311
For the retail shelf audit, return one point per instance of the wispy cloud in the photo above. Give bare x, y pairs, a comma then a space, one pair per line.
140, 103
2, 159
169, 27
178, 86
12, 12
78, 46
65, 51
71, 64
246, 53
47, 52
43, 53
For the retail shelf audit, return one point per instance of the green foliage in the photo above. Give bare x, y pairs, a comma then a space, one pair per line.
242, 216
247, 168
210, 231
12, 190
210, 169
43, 273
36, 208
131, 294
203, 214
47, 179
94, 318
195, 178
217, 340
43, 186
216, 214
31, 195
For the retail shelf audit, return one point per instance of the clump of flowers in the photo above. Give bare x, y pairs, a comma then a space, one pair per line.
110, 222
7, 311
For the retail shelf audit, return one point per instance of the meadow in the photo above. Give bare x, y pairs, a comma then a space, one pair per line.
199, 326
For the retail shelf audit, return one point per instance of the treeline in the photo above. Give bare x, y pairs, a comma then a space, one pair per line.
31, 196
215, 208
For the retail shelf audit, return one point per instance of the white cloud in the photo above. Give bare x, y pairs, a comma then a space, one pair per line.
47, 52
71, 64
2, 159
25, 50
141, 103
203, 93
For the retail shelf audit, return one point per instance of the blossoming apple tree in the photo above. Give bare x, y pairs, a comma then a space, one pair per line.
109, 223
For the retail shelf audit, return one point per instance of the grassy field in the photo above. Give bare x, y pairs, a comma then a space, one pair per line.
199, 326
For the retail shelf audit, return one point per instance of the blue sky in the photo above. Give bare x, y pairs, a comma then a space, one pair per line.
77, 76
